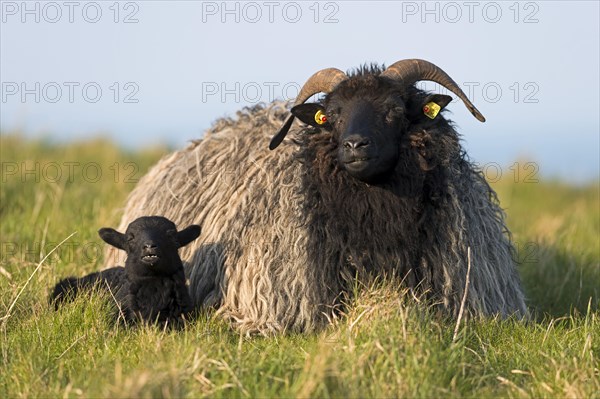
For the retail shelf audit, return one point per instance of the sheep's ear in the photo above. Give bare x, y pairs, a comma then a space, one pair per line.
280, 135
112, 237
187, 235
312, 114
430, 107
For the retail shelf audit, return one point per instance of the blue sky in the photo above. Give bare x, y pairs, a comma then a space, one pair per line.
147, 72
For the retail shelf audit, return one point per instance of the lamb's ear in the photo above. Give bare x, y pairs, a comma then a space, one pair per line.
312, 114
187, 235
113, 237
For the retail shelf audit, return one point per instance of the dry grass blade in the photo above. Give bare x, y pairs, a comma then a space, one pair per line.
121, 314
14, 302
464, 298
71, 346
5, 273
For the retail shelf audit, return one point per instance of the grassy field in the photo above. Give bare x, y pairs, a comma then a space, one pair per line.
387, 345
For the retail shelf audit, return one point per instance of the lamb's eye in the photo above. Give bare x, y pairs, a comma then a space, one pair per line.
130, 237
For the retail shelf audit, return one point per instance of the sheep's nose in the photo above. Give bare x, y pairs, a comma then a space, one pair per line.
354, 142
149, 245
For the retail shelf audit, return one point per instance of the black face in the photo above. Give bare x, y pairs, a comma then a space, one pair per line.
368, 118
368, 139
156, 246
366, 126
151, 243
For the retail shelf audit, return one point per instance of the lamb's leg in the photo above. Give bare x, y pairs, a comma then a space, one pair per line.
67, 289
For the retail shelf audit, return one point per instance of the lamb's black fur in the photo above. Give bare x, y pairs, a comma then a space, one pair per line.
151, 287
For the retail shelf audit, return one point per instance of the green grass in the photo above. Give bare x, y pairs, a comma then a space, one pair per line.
387, 345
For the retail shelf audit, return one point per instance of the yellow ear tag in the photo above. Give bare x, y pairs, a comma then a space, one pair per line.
320, 117
431, 109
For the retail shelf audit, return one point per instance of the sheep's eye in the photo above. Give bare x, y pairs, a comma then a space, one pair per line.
130, 237
393, 114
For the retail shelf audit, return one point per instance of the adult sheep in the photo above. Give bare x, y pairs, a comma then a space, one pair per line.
375, 184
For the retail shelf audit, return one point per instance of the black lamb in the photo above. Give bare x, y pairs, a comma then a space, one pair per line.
151, 287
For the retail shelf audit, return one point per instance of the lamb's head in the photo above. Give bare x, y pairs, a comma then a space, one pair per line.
151, 243
369, 113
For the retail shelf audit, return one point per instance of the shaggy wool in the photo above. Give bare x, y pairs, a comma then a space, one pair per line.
286, 232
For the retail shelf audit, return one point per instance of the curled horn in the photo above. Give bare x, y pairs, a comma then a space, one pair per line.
414, 70
321, 82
